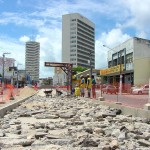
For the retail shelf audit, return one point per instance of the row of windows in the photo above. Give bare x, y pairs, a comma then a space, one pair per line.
72, 24
85, 49
78, 25
73, 32
74, 41
73, 50
73, 28
85, 24
86, 33
86, 37
72, 59
83, 65
73, 36
73, 20
72, 45
89, 46
72, 54
88, 58
85, 53
81, 39
80, 61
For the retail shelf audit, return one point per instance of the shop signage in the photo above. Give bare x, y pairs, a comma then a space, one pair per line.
111, 70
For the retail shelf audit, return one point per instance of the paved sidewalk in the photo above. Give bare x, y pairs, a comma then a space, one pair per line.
17, 94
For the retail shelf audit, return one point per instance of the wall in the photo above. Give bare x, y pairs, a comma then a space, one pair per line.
141, 61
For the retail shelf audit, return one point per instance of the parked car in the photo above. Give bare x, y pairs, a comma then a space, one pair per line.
142, 90
110, 89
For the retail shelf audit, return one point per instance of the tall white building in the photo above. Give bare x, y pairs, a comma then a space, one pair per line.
32, 59
78, 40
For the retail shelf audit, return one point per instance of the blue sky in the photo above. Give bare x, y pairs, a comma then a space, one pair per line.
115, 20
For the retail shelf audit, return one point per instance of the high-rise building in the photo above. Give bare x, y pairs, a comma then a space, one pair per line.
78, 40
32, 60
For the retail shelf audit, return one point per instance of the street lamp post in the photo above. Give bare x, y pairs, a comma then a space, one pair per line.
17, 76
149, 92
3, 78
90, 63
120, 82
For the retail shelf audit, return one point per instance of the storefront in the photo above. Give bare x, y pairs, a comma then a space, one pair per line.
113, 75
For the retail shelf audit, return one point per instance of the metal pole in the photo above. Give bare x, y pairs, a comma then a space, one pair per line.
120, 82
3, 78
149, 92
91, 64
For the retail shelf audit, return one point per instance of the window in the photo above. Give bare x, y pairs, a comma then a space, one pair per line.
73, 36
73, 46
73, 50
73, 42
129, 58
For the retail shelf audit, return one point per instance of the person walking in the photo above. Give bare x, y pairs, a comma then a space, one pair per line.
89, 85
93, 87
82, 86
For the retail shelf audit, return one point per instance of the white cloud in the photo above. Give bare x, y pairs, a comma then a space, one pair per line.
110, 39
46, 20
24, 38
16, 49
138, 16
50, 48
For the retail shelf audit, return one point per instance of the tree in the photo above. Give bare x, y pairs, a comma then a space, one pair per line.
78, 69
0, 75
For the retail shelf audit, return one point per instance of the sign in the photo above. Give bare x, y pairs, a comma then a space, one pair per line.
111, 70
12, 68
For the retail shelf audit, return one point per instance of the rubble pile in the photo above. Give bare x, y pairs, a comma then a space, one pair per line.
69, 123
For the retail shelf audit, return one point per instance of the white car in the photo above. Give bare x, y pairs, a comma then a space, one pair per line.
143, 90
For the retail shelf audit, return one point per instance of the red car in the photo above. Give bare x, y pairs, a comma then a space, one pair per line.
110, 89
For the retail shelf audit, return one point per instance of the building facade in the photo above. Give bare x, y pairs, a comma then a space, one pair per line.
32, 59
131, 60
8, 62
78, 40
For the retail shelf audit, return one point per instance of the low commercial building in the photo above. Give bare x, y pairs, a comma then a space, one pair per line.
4, 68
129, 62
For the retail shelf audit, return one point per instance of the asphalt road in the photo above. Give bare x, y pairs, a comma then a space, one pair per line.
126, 99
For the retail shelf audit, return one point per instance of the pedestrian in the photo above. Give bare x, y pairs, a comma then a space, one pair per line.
89, 85
93, 87
82, 86
77, 90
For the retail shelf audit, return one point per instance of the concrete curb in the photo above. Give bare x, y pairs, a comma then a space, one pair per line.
11, 106
136, 112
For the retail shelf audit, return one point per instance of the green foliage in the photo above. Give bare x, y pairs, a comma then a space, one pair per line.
0, 75
78, 69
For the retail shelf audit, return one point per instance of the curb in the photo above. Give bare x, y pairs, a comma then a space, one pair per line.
136, 112
10, 107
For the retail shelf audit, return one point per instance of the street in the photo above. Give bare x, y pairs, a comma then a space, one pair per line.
126, 99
